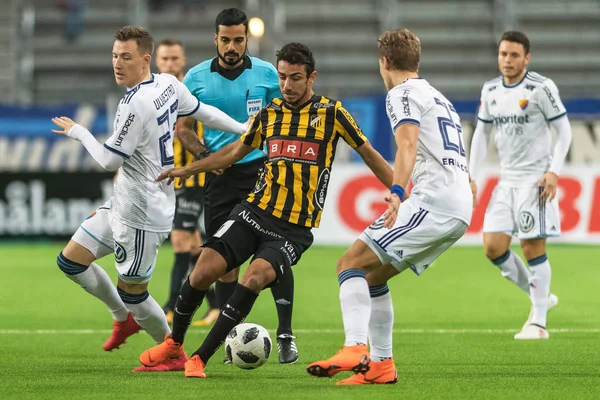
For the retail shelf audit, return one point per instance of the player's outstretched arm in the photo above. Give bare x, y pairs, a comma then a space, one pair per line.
107, 159
376, 163
189, 138
217, 119
228, 155
406, 136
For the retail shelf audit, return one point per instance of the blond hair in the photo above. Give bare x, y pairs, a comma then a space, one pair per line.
401, 48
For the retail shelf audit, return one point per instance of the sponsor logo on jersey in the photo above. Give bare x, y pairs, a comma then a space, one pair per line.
526, 221
493, 103
253, 106
551, 99
523, 103
323, 105
531, 88
512, 119
294, 150
390, 110
492, 88
321, 191
405, 103
125, 129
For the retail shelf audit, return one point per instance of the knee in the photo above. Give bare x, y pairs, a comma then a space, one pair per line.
258, 276
493, 251
345, 263
69, 267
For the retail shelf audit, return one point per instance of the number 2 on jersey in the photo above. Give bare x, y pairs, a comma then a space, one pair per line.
444, 124
165, 142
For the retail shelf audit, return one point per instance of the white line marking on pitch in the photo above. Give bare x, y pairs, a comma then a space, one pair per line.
304, 331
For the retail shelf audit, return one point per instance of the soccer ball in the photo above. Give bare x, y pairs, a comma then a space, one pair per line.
248, 346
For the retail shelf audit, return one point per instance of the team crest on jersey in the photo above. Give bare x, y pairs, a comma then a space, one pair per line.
523, 103
526, 221
316, 121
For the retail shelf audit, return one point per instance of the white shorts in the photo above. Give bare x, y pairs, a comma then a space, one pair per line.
520, 211
417, 238
135, 250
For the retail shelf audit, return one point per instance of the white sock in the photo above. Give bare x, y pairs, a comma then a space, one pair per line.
513, 268
541, 274
147, 313
356, 306
381, 323
95, 281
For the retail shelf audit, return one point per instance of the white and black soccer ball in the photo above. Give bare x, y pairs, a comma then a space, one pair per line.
248, 346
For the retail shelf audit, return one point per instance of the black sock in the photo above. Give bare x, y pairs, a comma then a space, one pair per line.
283, 294
188, 301
211, 298
223, 291
178, 275
233, 313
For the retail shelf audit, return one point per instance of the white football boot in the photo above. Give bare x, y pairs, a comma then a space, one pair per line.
532, 332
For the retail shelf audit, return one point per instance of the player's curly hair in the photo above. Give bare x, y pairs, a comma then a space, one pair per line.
297, 54
401, 48
140, 35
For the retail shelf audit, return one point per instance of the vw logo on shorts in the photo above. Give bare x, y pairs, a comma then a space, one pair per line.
120, 254
526, 221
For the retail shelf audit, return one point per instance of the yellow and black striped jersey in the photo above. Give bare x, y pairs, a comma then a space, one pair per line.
183, 158
301, 144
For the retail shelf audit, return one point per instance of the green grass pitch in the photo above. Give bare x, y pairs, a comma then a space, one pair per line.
453, 334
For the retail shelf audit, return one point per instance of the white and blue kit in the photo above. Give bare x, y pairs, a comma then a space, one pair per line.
438, 211
520, 116
138, 218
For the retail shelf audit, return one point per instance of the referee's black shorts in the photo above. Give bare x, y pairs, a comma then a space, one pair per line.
189, 204
224, 192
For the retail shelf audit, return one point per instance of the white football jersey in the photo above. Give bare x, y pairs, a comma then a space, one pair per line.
440, 177
143, 135
521, 114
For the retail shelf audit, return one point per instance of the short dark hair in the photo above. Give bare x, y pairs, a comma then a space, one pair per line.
140, 35
231, 17
169, 43
516, 37
297, 54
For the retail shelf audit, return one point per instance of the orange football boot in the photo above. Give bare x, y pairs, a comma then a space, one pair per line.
121, 331
169, 349
350, 358
194, 368
380, 373
171, 364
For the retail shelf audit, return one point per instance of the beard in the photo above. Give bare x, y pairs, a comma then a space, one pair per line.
230, 62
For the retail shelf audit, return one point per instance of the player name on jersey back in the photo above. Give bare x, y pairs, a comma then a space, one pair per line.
440, 176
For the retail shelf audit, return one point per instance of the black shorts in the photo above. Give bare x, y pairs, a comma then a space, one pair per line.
224, 192
189, 205
250, 231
